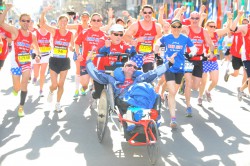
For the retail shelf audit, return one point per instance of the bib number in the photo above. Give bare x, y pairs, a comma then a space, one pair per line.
60, 52
44, 49
24, 58
145, 48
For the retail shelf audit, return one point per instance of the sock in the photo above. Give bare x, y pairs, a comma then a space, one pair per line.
23, 97
77, 81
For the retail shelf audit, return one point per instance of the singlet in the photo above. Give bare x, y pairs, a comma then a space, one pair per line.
215, 42
236, 45
89, 40
22, 46
246, 45
61, 44
199, 41
4, 49
43, 43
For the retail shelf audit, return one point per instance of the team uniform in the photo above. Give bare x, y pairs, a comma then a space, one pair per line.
4, 50
235, 50
175, 45
90, 40
194, 64
212, 64
245, 54
21, 58
145, 48
44, 47
59, 60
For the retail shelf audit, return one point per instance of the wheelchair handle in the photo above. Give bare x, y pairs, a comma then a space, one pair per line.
113, 54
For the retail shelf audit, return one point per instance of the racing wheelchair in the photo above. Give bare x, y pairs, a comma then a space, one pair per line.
139, 125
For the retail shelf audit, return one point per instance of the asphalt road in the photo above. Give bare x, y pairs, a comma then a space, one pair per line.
218, 133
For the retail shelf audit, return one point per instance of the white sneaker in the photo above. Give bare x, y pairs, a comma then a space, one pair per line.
93, 103
50, 97
58, 107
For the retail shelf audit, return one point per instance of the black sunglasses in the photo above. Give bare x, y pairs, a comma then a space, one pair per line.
194, 18
94, 20
176, 26
130, 65
28, 21
147, 12
118, 34
212, 26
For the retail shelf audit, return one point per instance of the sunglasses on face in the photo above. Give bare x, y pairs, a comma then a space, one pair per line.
212, 26
130, 65
176, 26
94, 20
118, 34
28, 21
147, 12
194, 18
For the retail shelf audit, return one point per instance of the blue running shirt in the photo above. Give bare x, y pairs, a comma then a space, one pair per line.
176, 45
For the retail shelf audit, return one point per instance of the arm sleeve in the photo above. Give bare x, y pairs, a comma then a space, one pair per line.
104, 50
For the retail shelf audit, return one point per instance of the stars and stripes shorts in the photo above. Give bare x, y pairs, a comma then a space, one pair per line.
209, 66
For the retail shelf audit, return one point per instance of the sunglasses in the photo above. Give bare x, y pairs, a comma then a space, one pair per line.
28, 21
194, 18
118, 34
212, 26
130, 65
94, 20
147, 12
176, 26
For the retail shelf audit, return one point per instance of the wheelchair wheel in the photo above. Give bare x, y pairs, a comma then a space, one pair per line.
102, 115
153, 146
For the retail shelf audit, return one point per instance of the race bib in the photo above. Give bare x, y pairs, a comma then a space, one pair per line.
145, 48
188, 66
44, 49
24, 58
60, 52
215, 51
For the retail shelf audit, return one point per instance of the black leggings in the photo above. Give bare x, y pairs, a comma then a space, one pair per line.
98, 90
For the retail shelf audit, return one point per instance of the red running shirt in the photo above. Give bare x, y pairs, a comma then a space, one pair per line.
43, 43
4, 50
236, 45
246, 45
22, 46
61, 44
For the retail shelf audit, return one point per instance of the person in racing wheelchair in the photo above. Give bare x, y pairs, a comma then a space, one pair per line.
124, 82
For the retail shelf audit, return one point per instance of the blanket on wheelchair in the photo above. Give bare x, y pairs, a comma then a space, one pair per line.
141, 95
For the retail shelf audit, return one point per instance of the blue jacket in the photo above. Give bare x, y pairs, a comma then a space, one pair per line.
135, 93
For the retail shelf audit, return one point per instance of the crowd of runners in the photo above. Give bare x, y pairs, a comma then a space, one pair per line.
192, 47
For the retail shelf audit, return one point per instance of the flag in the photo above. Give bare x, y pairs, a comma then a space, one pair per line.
187, 13
171, 10
235, 7
197, 5
219, 15
210, 10
226, 8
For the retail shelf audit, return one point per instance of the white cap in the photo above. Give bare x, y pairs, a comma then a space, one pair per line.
116, 28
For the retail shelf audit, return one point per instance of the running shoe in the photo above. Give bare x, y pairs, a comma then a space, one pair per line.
189, 112
83, 92
41, 93
58, 107
199, 101
76, 93
93, 103
50, 97
173, 123
208, 96
239, 95
20, 111
243, 93
14, 92
226, 76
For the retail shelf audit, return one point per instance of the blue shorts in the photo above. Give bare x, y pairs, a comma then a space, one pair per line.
16, 71
209, 66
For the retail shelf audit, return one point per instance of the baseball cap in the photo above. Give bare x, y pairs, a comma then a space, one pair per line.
119, 19
176, 21
116, 28
85, 13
